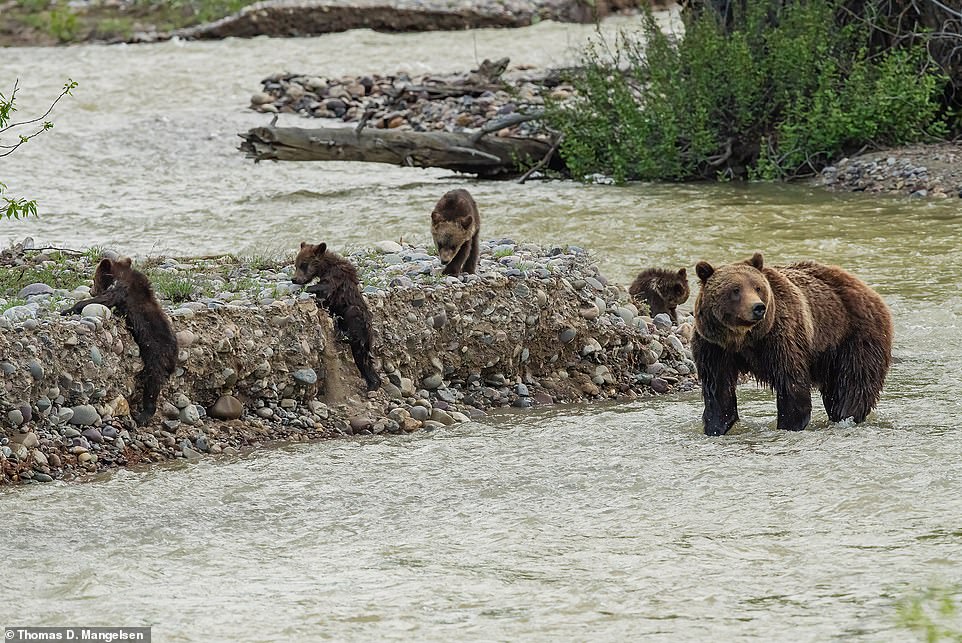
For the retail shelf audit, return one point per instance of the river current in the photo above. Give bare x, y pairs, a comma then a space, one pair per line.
604, 522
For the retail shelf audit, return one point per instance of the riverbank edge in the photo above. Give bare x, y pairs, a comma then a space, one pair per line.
533, 328
126, 22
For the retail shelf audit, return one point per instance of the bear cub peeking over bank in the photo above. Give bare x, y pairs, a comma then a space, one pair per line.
792, 328
455, 226
128, 291
662, 290
338, 289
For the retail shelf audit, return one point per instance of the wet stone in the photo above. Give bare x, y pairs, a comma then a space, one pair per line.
36, 369
567, 335
659, 385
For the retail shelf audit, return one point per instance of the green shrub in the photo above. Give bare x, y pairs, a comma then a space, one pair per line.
779, 92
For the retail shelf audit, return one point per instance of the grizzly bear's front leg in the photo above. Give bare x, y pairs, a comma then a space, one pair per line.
793, 399
719, 374
107, 299
471, 265
456, 264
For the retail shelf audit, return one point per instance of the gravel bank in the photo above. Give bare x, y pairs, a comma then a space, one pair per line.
932, 170
258, 363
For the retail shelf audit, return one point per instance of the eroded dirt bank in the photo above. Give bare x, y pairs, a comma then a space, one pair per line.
259, 361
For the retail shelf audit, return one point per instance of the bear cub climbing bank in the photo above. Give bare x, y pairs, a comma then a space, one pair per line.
117, 285
663, 290
338, 289
455, 226
791, 327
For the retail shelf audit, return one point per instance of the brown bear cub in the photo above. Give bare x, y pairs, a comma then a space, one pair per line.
662, 290
791, 327
455, 226
128, 291
338, 289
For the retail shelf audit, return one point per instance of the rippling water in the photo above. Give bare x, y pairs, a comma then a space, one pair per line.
606, 522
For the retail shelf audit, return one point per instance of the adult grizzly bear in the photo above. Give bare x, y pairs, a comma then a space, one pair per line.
338, 289
117, 285
455, 226
792, 328
662, 290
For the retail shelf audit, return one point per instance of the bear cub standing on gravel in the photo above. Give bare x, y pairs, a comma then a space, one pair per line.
791, 327
338, 289
128, 291
662, 290
455, 226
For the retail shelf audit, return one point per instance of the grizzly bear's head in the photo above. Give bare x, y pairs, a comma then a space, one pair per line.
308, 263
675, 289
734, 300
107, 273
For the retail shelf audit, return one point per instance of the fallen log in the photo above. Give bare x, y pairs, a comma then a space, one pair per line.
485, 156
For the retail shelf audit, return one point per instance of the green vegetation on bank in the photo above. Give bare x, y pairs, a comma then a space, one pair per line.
932, 614
778, 92
17, 133
55, 21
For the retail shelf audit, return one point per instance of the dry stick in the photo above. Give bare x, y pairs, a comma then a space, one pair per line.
507, 121
544, 160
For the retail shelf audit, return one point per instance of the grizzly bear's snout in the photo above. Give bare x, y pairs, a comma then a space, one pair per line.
758, 311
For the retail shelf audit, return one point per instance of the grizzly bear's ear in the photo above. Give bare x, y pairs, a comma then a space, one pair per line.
105, 266
320, 249
683, 274
704, 270
756, 261
303, 243
124, 262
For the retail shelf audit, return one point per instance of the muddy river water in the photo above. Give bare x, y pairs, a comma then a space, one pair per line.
602, 523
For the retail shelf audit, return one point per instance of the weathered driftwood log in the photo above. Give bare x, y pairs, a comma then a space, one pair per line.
486, 156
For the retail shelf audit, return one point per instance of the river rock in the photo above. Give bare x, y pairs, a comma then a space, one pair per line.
189, 414
432, 382
83, 415
227, 407
97, 311
34, 289
662, 321
29, 440
15, 417
305, 376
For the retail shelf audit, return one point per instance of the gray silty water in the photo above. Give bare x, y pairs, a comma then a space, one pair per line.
588, 522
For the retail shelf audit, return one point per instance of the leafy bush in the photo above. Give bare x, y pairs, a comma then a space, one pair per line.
778, 92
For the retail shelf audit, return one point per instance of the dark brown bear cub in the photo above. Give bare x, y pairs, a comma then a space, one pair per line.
338, 289
662, 290
128, 291
791, 327
455, 226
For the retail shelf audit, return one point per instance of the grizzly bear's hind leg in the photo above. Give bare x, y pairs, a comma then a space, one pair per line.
853, 380
794, 403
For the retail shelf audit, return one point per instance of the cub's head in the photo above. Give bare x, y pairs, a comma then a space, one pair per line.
108, 272
308, 263
675, 291
734, 300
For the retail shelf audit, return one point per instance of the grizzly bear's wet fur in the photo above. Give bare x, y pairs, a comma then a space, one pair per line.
662, 290
128, 291
339, 290
455, 226
791, 327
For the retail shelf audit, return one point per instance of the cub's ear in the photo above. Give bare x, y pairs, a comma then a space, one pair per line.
704, 270
123, 262
303, 244
683, 274
756, 261
320, 249
105, 266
